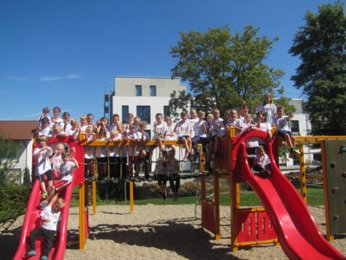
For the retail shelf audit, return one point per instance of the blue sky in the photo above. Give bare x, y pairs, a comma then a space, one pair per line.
67, 53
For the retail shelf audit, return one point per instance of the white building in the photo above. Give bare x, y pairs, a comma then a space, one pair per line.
143, 97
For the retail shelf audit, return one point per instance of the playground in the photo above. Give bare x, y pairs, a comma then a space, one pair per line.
178, 229
165, 232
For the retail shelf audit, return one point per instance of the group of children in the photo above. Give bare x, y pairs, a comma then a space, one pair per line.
121, 160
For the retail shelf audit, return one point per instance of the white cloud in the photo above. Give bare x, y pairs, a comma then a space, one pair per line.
55, 78
20, 78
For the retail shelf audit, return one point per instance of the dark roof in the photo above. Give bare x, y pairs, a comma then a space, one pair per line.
17, 130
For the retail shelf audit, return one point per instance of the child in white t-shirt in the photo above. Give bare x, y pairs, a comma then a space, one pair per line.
262, 163
43, 164
50, 217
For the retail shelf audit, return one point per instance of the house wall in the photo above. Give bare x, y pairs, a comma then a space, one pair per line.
125, 95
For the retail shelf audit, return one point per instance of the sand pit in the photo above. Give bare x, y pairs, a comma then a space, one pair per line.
155, 232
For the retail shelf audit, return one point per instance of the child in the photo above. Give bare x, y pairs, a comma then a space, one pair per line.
50, 217
262, 163
115, 122
89, 153
217, 131
90, 120
284, 130
114, 155
193, 120
201, 134
133, 136
144, 152
129, 121
123, 153
74, 130
56, 160
172, 167
45, 127
83, 123
162, 175
56, 119
66, 126
169, 133
58, 131
264, 125
233, 120
184, 131
159, 129
45, 113
101, 153
268, 107
43, 165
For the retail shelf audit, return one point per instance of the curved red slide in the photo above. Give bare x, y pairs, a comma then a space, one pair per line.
32, 221
294, 225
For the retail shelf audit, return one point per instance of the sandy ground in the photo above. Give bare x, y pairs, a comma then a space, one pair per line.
155, 232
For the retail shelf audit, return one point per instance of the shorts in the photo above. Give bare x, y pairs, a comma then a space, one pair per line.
162, 179
49, 175
282, 133
183, 136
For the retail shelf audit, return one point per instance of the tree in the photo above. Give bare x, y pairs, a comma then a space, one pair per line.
320, 45
8, 157
224, 70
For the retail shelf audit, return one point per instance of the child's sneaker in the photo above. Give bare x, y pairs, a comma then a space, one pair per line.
44, 257
175, 196
43, 204
32, 253
44, 195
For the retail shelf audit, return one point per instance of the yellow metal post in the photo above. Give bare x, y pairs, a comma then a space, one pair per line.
93, 196
131, 197
81, 216
216, 205
302, 174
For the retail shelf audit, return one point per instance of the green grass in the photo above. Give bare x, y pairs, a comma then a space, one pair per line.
248, 198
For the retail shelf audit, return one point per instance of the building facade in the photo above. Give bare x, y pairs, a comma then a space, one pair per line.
143, 97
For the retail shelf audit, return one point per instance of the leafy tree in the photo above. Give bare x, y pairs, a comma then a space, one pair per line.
8, 157
320, 45
223, 70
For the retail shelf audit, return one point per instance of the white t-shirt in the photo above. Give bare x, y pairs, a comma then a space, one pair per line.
183, 128
114, 151
43, 161
200, 129
282, 123
66, 170
159, 130
170, 135
50, 219
262, 160
215, 130
269, 109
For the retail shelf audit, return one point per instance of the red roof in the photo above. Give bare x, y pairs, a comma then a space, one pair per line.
17, 130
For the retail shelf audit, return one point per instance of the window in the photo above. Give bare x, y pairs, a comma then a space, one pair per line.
152, 90
295, 126
138, 90
148, 132
124, 113
144, 113
166, 111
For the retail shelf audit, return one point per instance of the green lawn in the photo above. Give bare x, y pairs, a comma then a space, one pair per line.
248, 198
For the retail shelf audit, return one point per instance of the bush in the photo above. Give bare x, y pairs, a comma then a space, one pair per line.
14, 199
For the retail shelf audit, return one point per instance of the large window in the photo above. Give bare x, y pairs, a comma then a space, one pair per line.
295, 126
153, 90
124, 113
144, 113
138, 90
166, 111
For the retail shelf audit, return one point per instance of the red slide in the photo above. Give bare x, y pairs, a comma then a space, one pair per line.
32, 221
294, 225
